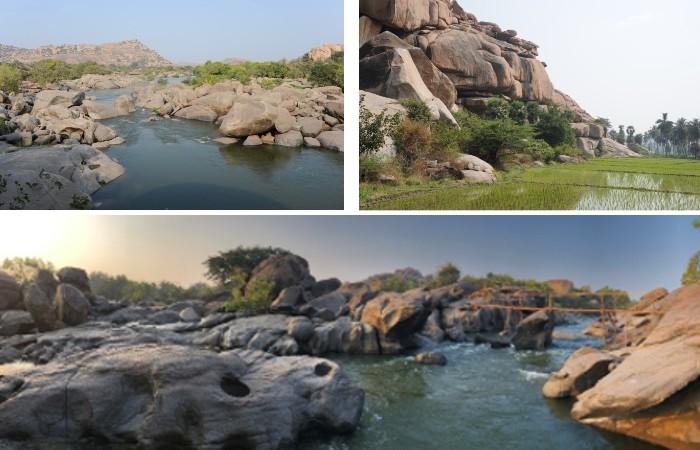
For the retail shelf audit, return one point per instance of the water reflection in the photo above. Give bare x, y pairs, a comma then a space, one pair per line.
264, 160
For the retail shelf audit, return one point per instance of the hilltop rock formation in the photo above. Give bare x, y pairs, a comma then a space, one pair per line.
434, 51
647, 384
124, 53
325, 52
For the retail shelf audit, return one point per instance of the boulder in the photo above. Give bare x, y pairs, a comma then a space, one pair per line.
587, 146
369, 28
477, 177
282, 271
202, 113
396, 316
104, 133
332, 140
47, 98
402, 14
330, 306
226, 141
431, 359
324, 287
10, 293
75, 277
168, 396
72, 306
290, 139
253, 141
344, 336
312, 142
15, 322
220, 102
653, 395
26, 122
581, 372
471, 162
189, 315
285, 121
534, 332
301, 329
124, 105
289, 300
249, 118
609, 147
310, 127
41, 307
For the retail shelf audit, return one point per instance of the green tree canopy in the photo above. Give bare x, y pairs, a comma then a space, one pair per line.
226, 268
10, 78
24, 270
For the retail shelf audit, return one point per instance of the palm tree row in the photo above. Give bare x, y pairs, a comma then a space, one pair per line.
681, 138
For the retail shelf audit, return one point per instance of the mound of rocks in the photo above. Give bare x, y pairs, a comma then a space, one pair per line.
165, 396
57, 116
434, 51
290, 115
649, 388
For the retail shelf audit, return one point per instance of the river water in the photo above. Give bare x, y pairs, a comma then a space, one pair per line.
174, 164
483, 399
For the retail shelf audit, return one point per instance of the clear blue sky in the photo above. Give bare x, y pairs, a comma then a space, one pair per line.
628, 60
180, 30
634, 253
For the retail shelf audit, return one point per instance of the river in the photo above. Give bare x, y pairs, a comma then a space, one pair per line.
484, 399
174, 164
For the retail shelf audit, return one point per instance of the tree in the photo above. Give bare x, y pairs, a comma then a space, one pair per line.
692, 272
665, 127
497, 108
49, 71
621, 134
24, 270
554, 128
10, 78
630, 134
227, 267
447, 275
375, 128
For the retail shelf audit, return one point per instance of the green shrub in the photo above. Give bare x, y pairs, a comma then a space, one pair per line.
49, 71
4, 129
10, 78
395, 283
539, 150
371, 166
448, 138
413, 144
554, 127
497, 108
692, 272
518, 112
447, 275
257, 301
270, 83
326, 74
492, 139
374, 128
417, 110
227, 268
533, 112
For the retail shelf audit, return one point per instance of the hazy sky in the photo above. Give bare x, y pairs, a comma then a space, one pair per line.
628, 60
183, 31
634, 253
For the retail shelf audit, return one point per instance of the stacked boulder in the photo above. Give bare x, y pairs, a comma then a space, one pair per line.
287, 115
47, 303
646, 383
434, 51
59, 116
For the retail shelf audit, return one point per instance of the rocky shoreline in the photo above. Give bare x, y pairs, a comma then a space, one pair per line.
57, 335
63, 119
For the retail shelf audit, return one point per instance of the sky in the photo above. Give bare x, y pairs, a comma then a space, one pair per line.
627, 60
183, 31
635, 253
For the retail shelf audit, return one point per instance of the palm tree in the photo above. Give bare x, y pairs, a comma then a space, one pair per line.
665, 127
630, 134
679, 135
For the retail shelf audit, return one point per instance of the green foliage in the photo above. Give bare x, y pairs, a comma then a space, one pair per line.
417, 110
533, 112
257, 301
497, 109
447, 275
495, 280
52, 71
4, 128
270, 83
518, 112
10, 78
554, 127
448, 138
413, 144
396, 283
227, 268
24, 270
375, 128
122, 288
540, 151
490, 140
371, 166
325, 74
692, 272
613, 298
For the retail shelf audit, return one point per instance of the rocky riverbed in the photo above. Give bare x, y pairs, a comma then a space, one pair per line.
193, 373
292, 115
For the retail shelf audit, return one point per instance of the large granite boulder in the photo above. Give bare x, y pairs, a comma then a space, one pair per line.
202, 113
10, 293
344, 336
76, 277
654, 394
41, 306
47, 98
581, 372
15, 322
166, 396
396, 316
534, 332
72, 306
283, 271
248, 118
401, 14
220, 102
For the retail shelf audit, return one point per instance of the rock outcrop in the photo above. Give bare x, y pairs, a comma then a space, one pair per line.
124, 53
434, 51
165, 396
287, 115
325, 52
653, 393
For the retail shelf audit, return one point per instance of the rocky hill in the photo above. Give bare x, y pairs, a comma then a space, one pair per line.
124, 53
435, 51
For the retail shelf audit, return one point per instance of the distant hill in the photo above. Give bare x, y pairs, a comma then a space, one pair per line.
124, 53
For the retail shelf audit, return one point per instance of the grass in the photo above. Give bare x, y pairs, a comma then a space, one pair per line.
604, 184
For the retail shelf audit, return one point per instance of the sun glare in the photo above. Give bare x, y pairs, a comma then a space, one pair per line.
57, 239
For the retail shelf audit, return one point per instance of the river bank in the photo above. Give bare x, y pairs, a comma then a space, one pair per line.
452, 365
196, 168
